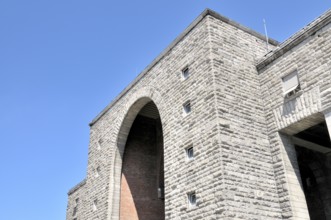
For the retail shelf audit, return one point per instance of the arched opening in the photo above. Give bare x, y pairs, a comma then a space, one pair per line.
142, 173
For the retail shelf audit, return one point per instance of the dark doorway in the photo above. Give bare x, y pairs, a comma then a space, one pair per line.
315, 182
142, 181
313, 148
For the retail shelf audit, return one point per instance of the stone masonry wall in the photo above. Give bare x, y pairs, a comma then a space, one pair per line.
164, 85
231, 173
248, 189
77, 201
311, 58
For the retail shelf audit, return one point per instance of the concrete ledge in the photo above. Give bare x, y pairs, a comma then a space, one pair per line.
296, 39
75, 188
205, 13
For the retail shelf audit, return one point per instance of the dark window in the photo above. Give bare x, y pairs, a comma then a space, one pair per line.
187, 107
75, 207
185, 73
192, 199
190, 153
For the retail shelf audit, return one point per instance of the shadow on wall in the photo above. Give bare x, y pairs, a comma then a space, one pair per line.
142, 171
289, 107
315, 173
307, 152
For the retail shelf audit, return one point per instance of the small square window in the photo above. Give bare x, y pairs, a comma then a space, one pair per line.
291, 84
192, 199
74, 212
97, 172
190, 153
94, 206
187, 107
185, 73
99, 142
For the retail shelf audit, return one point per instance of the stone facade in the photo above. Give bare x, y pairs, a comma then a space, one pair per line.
231, 110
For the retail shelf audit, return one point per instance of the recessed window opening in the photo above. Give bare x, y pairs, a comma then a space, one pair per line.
75, 207
99, 144
187, 107
192, 199
97, 172
95, 203
190, 153
291, 84
74, 211
185, 73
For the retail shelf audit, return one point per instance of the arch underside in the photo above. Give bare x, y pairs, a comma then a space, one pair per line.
138, 175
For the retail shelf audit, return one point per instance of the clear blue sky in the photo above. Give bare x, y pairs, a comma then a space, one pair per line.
63, 61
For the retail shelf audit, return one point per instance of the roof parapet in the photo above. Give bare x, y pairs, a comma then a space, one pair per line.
205, 13
75, 188
296, 39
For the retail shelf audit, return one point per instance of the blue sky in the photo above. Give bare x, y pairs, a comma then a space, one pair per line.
63, 61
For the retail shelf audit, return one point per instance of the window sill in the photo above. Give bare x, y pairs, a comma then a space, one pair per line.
294, 96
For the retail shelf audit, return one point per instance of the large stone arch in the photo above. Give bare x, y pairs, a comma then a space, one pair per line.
130, 110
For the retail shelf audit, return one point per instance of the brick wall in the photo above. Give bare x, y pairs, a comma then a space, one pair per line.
139, 183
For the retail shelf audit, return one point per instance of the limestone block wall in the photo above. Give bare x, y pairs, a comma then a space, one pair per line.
308, 53
77, 201
248, 189
233, 174
162, 83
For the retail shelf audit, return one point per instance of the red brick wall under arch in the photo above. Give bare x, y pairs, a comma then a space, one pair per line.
142, 172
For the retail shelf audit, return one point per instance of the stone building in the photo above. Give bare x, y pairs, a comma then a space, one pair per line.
216, 127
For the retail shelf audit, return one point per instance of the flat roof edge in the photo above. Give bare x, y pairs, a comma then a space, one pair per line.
297, 38
205, 13
75, 188
241, 27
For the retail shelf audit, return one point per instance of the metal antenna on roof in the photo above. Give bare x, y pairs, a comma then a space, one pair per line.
266, 34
